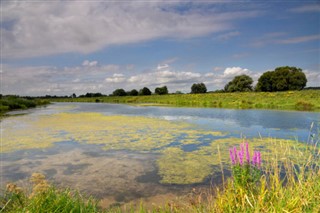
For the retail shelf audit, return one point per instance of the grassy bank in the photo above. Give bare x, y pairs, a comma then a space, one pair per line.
285, 185
306, 100
9, 103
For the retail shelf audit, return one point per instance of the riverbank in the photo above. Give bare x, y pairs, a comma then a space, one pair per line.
305, 100
10, 103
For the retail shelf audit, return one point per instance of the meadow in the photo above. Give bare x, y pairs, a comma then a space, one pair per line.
305, 100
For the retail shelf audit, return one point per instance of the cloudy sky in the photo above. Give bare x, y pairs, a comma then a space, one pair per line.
64, 47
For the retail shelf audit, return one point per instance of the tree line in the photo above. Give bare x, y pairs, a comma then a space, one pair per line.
281, 79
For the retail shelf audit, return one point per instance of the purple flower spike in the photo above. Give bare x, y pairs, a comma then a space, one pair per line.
247, 152
235, 154
259, 159
240, 155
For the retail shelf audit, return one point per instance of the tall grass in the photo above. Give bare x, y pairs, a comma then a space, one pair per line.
305, 100
285, 185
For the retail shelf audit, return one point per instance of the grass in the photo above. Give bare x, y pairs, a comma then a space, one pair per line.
305, 100
9, 103
286, 185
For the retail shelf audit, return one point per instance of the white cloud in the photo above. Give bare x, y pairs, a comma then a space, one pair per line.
116, 78
89, 63
227, 36
306, 8
234, 71
313, 78
51, 27
300, 39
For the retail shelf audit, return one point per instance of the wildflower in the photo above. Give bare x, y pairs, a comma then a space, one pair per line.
247, 152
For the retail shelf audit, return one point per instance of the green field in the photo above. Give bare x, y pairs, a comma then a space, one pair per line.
306, 100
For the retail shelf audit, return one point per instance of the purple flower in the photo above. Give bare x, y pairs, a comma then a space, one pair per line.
256, 159
240, 156
235, 154
232, 157
247, 152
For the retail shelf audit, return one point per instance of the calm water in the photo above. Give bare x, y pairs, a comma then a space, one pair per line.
119, 175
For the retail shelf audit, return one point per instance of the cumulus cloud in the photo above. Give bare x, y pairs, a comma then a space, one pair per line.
32, 29
234, 71
313, 78
116, 78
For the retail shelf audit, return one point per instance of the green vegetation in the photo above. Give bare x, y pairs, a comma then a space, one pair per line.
282, 79
144, 91
306, 100
11, 102
285, 185
198, 88
119, 92
44, 198
240, 83
161, 90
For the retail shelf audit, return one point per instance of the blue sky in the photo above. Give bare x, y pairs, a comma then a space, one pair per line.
65, 47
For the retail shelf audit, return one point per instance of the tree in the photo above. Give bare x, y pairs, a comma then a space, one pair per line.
240, 83
282, 79
144, 91
119, 92
161, 90
198, 88
133, 92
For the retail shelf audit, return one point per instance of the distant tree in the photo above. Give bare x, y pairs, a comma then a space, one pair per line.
144, 91
133, 92
179, 92
73, 95
282, 79
161, 90
240, 83
198, 88
119, 92
89, 95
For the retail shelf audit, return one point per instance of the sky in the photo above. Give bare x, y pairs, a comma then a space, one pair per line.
65, 47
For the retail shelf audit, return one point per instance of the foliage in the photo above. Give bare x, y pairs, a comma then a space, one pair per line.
198, 88
240, 83
282, 79
145, 91
133, 92
92, 95
11, 102
161, 90
119, 92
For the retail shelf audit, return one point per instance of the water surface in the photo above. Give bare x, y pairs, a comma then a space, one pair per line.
122, 153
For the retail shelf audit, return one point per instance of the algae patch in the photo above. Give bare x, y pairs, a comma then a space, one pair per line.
135, 133
171, 139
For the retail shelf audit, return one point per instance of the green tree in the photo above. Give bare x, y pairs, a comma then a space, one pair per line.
119, 92
133, 92
198, 88
282, 79
240, 83
145, 91
161, 90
